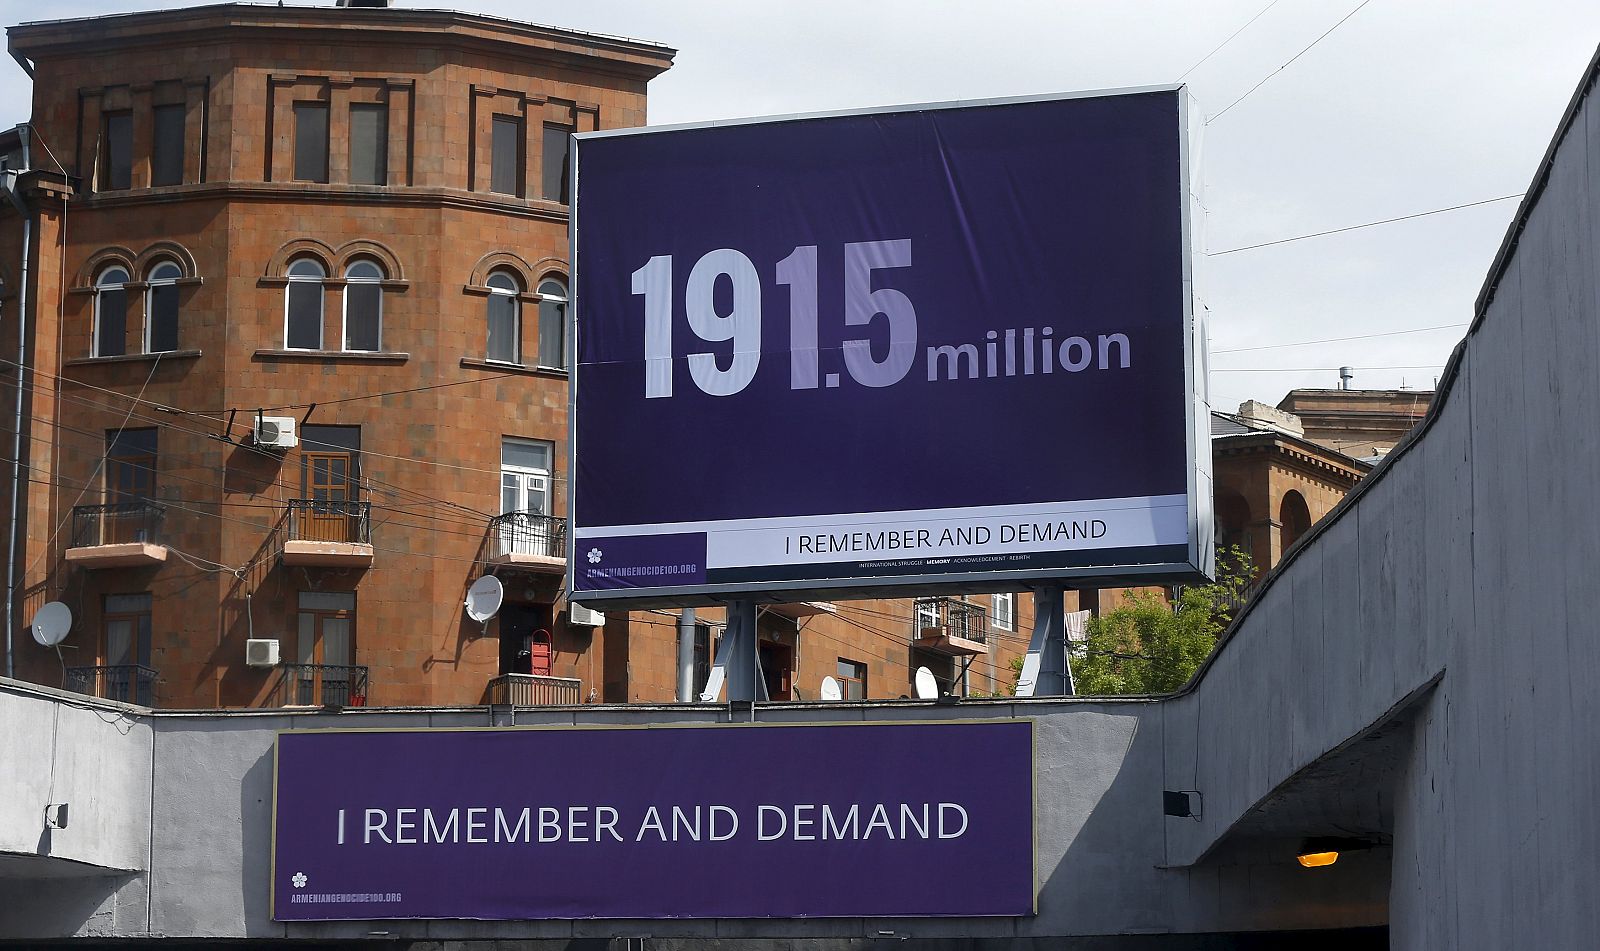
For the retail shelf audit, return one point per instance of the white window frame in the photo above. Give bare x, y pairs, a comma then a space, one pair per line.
515, 293
102, 284
344, 321
545, 476
1010, 614
321, 282
565, 298
164, 274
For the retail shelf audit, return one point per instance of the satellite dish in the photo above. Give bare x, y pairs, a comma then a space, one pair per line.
927, 687
830, 689
484, 598
51, 624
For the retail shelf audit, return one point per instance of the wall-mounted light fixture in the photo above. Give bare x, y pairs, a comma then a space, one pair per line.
1322, 851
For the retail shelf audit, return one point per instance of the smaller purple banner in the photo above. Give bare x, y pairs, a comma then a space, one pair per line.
641, 561
783, 821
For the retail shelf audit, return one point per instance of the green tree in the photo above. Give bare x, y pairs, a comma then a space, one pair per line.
1151, 645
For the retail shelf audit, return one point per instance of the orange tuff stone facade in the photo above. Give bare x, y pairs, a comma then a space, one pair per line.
353, 220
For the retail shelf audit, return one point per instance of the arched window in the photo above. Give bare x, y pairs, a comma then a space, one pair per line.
161, 308
553, 323
302, 305
505, 318
110, 313
363, 306
1294, 516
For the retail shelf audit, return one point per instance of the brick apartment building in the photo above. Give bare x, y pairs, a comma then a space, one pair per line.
351, 224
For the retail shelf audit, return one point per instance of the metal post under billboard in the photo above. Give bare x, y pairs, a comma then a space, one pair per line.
1047, 669
869, 285
738, 660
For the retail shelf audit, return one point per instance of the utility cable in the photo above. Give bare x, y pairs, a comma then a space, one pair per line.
1308, 343
1369, 224
1290, 63
1225, 42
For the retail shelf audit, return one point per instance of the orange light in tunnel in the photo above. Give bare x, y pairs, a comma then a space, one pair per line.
1317, 859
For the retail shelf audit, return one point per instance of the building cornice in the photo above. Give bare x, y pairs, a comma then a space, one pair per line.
309, 192
432, 29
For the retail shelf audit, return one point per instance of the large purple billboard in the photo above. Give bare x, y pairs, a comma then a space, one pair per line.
892, 349
816, 820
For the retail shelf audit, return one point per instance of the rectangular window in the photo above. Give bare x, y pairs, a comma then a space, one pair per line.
162, 319
166, 157
702, 658
552, 331
505, 159
557, 174
504, 327
363, 316
116, 151
126, 633
311, 141
852, 677
111, 321
524, 527
325, 651
130, 468
1004, 617
369, 143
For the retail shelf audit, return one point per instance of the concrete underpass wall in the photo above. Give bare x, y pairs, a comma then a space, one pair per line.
1101, 838
95, 757
1471, 556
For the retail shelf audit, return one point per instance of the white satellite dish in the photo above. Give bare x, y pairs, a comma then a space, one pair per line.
484, 598
830, 689
927, 687
51, 624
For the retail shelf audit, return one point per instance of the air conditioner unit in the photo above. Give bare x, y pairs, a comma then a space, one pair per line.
585, 617
261, 652
276, 432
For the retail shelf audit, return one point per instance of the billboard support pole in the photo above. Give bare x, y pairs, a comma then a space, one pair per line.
738, 662
1047, 671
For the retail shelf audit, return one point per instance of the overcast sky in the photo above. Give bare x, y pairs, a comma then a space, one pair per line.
1408, 106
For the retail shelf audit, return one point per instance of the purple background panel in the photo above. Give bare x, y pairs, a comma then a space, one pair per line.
1059, 213
640, 561
986, 870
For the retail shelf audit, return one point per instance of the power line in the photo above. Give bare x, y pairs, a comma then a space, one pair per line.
1422, 366
1225, 42
1308, 343
1369, 224
1285, 66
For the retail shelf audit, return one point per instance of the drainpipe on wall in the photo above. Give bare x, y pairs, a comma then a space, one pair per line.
9, 182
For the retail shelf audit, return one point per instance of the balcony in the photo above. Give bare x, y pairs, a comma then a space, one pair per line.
329, 534
117, 535
129, 683
535, 690
949, 626
321, 685
528, 541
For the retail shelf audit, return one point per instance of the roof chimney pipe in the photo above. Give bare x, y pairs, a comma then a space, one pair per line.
1345, 376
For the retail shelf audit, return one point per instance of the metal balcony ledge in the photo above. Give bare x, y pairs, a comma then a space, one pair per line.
528, 541
117, 535
329, 534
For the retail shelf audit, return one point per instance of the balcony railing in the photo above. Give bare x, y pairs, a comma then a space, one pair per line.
343, 522
116, 523
129, 683
535, 690
321, 685
948, 617
529, 534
